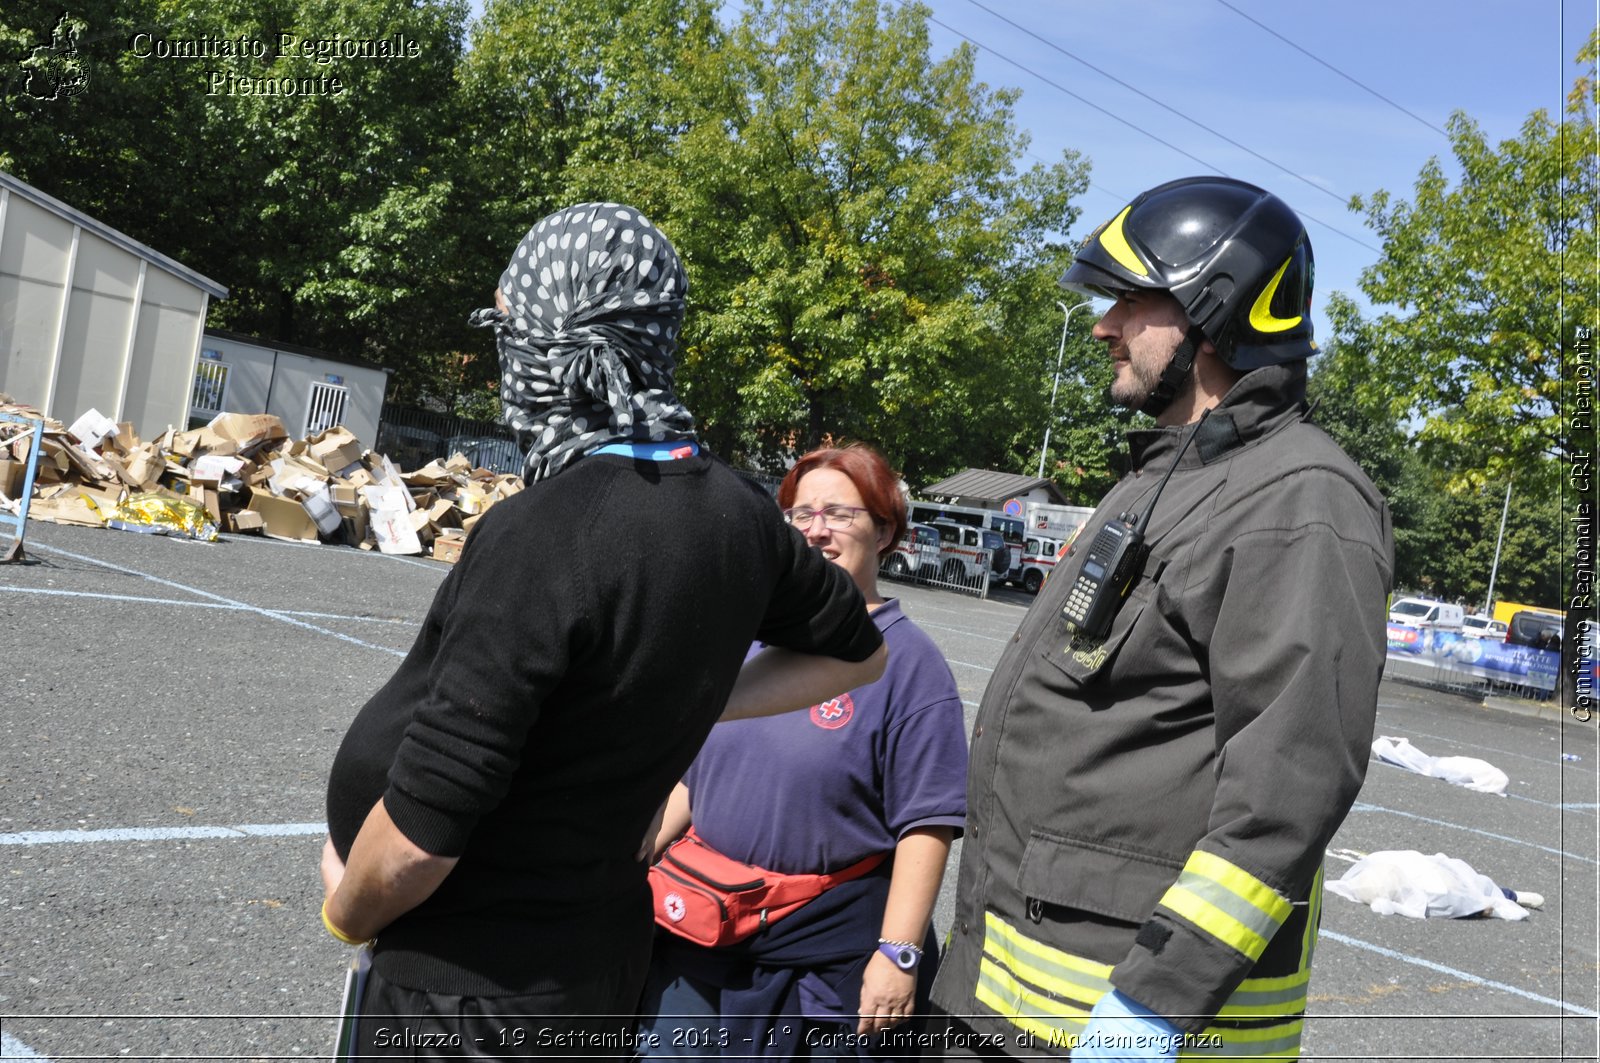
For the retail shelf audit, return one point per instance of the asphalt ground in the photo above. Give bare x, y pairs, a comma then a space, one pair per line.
171, 710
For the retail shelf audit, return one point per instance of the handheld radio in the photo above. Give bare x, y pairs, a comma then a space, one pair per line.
1113, 560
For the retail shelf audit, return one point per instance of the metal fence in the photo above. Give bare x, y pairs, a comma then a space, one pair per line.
954, 573
411, 438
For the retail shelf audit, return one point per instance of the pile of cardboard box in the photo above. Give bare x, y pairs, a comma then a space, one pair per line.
250, 477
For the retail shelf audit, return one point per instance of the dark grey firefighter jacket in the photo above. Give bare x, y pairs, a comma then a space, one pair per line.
1150, 811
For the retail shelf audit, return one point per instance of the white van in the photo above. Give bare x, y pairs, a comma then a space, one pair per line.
917, 555
1425, 612
1484, 627
1038, 559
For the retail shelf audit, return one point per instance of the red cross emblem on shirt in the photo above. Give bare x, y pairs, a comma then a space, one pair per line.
833, 713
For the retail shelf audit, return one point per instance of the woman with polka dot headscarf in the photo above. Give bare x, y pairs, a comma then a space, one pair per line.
586, 318
487, 807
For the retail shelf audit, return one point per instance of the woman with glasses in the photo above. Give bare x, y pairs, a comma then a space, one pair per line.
880, 770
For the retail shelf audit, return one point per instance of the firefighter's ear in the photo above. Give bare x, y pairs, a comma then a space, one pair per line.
885, 538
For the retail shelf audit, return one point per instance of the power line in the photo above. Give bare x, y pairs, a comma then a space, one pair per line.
1213, 167
1342, 201
1336, 70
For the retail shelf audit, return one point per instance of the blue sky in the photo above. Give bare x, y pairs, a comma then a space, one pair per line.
1496, 60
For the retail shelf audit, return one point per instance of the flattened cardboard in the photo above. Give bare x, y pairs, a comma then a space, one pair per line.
335, 448
394, 533
247, 430
92, 428
283, 518
11, 474
447, 548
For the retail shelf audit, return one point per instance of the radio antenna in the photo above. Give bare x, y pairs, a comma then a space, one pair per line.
1144, 520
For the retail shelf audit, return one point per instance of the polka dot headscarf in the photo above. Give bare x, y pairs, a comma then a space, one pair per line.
595, 295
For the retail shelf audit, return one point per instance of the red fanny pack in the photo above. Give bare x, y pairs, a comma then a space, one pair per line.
710, 899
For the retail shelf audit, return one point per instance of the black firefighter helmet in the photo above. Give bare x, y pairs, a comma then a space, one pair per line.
1235, 256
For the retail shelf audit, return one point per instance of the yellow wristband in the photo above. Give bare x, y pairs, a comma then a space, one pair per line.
335, 931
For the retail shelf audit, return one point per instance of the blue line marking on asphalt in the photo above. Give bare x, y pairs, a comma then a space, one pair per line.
1452, 972
268, 613
201, 605
1362, 807
162, 834
11, 1048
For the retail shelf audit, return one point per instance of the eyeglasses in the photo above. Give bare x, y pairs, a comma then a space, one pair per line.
837, 518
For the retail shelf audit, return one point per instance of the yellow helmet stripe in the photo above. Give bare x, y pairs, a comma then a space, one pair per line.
1116, 244
1261, 318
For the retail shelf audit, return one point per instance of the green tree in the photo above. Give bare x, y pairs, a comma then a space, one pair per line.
325, 212
562, 101
1444, 538
850, 211
1490, 280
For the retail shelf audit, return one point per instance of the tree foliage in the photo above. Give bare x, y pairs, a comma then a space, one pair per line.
1444, 539
850, 210
324, 213
1489, 277
868, 257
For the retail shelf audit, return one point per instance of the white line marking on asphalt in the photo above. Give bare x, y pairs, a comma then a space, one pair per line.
11, 1048
962, 631
162, 834
268, 613
1362, 807
200, 605
967, 664
1462, 975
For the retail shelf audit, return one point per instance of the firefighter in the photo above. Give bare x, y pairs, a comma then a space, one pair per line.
1150, 797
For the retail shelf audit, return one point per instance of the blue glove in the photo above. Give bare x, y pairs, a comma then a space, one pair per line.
1122, 1028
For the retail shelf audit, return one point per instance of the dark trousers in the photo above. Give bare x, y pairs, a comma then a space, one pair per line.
591, 1019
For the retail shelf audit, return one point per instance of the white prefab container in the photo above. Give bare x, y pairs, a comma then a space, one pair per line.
306, 389
92, 319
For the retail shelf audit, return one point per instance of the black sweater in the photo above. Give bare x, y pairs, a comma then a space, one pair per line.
565, 676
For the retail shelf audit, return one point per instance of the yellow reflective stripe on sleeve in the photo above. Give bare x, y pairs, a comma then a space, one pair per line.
1251, 889
1228, 903
1261, 318
1115, 241
1214, 921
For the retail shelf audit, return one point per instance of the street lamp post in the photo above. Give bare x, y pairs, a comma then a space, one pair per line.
1061, 350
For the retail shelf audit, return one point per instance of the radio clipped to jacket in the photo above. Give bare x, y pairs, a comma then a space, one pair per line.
1113, 561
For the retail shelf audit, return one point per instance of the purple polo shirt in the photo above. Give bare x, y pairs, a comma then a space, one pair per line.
819, 789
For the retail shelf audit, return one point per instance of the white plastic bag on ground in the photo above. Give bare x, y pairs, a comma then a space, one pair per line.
1404, 882
1470, 772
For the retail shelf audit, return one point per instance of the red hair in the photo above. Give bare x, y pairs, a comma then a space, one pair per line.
878, 484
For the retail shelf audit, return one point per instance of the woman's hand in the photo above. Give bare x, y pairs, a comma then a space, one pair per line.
332, 868
887, 995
